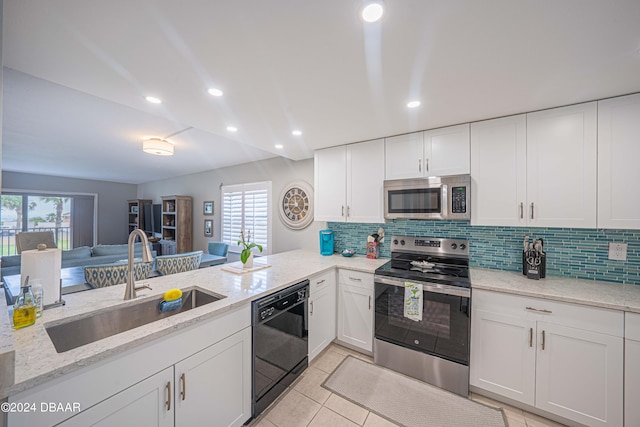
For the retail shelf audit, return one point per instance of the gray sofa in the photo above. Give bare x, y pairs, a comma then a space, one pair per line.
79, 257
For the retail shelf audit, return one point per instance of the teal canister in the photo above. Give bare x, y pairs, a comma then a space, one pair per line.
326, 242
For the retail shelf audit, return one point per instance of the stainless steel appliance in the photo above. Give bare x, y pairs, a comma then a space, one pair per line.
446, 197
280, 343
430, 343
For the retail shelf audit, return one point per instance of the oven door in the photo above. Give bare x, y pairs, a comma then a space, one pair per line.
414, 199
445, 325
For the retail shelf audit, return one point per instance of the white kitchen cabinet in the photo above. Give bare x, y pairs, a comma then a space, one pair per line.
355, 309
214, 385
631, 369
499, 171
435, 152
348, 183
147, 403
322, 312
562, 358
562, 166
537, 169
618, 154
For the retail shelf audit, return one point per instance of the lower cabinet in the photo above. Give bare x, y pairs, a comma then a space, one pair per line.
211, 387
565, 359
322, 312
631, 369
355, 309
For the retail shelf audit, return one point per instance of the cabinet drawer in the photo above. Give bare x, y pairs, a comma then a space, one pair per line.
602, 320
632, 326
355, 278
322, 281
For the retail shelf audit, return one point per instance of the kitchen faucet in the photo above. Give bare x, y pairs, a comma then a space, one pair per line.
130, 291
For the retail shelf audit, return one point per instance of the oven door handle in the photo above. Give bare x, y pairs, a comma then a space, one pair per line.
426, 287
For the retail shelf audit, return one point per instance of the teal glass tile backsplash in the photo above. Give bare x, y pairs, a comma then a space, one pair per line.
571, 252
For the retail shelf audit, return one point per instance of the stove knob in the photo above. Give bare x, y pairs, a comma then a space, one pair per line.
463, 246
395, 241
402, 242
454, 246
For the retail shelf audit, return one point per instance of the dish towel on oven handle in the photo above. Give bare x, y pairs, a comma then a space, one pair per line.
413, 301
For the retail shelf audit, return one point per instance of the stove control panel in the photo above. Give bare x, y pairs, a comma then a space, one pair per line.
436, 246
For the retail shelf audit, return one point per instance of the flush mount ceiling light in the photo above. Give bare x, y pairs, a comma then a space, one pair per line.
215, 92
232, 129
279, 146
153, 100
157, 146
372, 11
296, 133
413, 104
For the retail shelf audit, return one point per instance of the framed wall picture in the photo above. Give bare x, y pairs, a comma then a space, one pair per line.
208, 228
207, 208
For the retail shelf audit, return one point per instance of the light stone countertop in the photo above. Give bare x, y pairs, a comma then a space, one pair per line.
615, 296
36, 360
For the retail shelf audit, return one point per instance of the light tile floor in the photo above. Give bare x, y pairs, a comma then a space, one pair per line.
307, 403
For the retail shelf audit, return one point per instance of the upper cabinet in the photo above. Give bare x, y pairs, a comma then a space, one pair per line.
537, 169
436, 152
348, 183
618, 153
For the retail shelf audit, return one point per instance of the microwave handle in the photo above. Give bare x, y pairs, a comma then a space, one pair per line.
445, 199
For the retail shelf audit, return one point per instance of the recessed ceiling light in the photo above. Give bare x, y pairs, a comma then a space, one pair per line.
296, 133
279, 146
153, 100
372, 12
413, 104
215, 92
232, 129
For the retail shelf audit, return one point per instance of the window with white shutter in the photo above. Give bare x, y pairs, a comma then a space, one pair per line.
247, 207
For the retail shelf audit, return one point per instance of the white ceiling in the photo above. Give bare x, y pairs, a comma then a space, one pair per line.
76, 74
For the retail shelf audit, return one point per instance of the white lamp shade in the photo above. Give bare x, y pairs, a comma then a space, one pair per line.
157, 146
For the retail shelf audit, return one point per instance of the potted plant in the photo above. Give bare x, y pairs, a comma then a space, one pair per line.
246, 256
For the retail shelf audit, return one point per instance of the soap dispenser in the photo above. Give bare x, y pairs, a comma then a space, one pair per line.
24, 310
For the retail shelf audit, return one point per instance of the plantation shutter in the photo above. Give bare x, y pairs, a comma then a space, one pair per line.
247, 207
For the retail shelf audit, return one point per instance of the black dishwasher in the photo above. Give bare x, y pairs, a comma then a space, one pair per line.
280, 343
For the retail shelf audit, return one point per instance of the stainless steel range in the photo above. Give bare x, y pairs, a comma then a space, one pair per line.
422, 311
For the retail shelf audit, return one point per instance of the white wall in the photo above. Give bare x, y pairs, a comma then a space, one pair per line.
205, 186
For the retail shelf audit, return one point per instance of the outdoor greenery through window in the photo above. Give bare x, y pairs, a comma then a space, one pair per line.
32, 212
247, 207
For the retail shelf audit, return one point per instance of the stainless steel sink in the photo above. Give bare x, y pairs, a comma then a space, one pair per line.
95, 326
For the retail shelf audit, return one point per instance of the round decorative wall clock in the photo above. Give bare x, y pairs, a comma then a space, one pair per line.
296, 205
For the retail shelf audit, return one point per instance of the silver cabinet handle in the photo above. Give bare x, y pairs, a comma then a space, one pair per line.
320, 282
543, 339
419, 165
348, 211
426, 165
530, 337
342, 210
311, 312
355, 279
531, 210
183, 385
369, 302
521, 210
538, 310
168, 402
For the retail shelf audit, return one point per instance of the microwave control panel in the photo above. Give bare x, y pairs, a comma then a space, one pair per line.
459, 200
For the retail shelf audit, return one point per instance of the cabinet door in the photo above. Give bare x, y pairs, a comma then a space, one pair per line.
631, 383
618, 154
355, 310
561, 166
503, 355
404, 156
365, 178
322, 313
213, 387
330, 179
446, 151
147, 403
579, 375
498, 171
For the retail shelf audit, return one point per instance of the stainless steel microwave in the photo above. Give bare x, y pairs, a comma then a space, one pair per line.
445, 197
